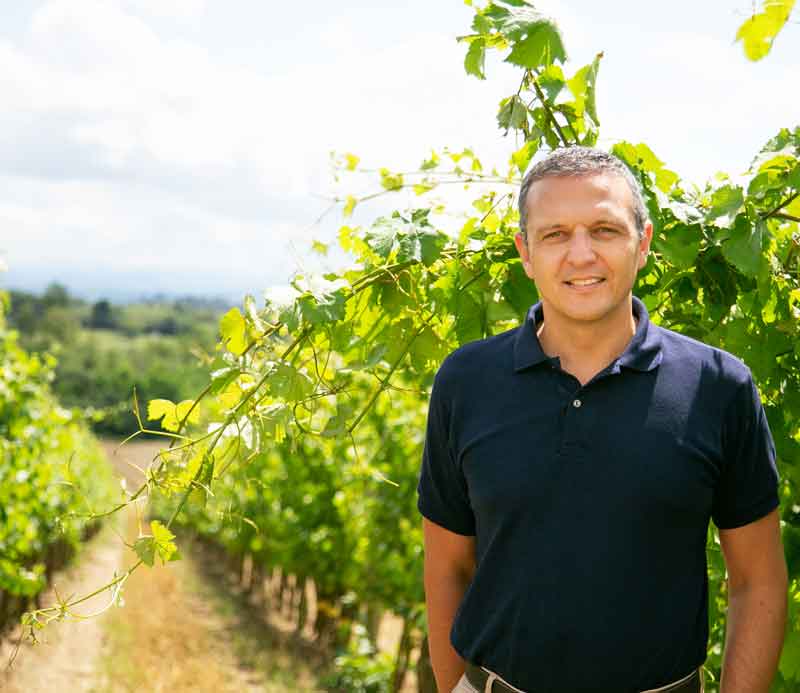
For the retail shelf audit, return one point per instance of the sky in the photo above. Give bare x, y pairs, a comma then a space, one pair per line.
182, 147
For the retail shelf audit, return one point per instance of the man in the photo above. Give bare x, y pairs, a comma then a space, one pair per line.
571, 467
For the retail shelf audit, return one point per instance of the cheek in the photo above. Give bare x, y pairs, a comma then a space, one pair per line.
539, 270
627, 261
543, 266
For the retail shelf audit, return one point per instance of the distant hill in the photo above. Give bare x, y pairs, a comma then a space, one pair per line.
104, 349
93, 284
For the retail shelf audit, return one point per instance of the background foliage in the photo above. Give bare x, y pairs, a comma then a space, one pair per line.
105, 350
53, 476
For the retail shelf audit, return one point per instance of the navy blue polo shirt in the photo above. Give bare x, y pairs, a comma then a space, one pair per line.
590, 504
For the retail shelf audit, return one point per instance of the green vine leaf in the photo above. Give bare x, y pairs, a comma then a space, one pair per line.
349, 206
158, 545
680, 244
541, 46
422, 245
322, 307
406, 241
202, 490
289, 383
790, 657
391, 181
522, 157
513, 113
381, 237
476, 57
758, 33
233, 331
582, 85
172, 414
427, 351
743, 248
552, 81
725, 204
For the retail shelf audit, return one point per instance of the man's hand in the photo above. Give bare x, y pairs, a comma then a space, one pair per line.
449, 567
757, 587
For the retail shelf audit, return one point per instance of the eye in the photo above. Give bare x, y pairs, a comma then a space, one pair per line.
606, 231
552, 235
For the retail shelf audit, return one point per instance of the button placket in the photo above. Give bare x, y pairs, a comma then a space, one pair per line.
569, 388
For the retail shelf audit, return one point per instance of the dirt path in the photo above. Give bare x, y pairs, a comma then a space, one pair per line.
176, 632
66, 659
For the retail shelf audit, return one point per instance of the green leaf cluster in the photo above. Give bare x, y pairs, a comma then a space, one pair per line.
53, 476
160, 544
104, 350
534, 40
549, 108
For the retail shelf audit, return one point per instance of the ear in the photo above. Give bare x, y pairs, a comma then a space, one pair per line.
644, 244
522, 248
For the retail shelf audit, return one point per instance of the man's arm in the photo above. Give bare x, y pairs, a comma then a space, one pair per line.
757, 588
449, 567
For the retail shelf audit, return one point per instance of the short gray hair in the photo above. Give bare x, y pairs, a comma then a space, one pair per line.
581, 161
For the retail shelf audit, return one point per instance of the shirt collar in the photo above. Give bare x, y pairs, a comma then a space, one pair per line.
527, 349
643, 352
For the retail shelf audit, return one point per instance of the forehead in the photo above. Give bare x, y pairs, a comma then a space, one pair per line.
579, 199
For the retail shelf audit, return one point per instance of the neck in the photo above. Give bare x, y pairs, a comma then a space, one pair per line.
584, 349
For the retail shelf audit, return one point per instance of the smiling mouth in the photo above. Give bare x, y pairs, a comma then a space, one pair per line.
585, 282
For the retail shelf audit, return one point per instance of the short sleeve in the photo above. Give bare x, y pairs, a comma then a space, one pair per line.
748, 487
442, 490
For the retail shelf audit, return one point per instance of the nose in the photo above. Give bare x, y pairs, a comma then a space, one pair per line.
580, 250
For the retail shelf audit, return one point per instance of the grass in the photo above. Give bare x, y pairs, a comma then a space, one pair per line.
183, 629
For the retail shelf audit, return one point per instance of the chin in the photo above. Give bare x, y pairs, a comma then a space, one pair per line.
586, 313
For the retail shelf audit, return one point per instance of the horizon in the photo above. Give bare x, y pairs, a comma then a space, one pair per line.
131, 289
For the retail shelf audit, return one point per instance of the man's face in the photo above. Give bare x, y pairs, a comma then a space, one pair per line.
583, 250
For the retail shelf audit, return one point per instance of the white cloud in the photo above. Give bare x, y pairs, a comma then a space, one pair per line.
168, 8
121, 129
175, 160
122, 228
91, 34
699, 115
135, 95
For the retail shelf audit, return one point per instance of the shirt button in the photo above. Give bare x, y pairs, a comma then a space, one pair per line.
576, 403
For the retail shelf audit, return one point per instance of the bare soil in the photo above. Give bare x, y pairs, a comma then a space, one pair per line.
66, 658
172, 636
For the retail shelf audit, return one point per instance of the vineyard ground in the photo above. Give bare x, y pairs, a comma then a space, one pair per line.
182, 627
67, 657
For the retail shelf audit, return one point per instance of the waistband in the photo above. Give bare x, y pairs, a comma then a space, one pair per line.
487, 681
